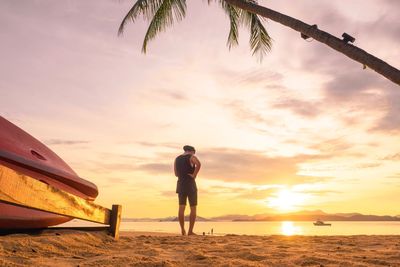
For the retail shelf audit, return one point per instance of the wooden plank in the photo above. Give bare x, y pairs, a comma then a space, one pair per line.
22, 190
115, 220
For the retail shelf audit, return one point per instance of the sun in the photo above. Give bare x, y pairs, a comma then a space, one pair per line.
286, 200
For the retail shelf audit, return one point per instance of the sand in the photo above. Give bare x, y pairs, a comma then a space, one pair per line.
76, 248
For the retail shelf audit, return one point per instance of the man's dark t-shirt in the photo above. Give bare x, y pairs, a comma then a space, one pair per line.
186, 184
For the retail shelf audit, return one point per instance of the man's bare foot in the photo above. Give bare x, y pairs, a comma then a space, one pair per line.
183, 232
191, 233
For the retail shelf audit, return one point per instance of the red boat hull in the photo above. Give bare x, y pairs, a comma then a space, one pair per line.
25, 154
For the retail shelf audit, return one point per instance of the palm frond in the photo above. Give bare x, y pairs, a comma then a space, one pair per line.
163, 13
164, 17
233, 14
260, 41
147, 8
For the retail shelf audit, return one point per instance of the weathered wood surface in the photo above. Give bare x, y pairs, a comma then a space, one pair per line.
115, 220
25, 191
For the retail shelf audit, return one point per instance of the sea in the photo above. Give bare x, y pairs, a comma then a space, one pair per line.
287, 228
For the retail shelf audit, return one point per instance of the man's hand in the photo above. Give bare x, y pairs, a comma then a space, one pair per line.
192, 175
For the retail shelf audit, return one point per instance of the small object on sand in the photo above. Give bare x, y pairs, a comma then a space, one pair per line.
204, 233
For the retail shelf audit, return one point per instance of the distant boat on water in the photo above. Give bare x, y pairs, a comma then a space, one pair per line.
321, 223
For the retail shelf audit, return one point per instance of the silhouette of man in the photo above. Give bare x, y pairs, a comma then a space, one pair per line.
186, 167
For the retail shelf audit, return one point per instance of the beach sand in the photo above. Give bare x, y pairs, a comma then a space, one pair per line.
77, 248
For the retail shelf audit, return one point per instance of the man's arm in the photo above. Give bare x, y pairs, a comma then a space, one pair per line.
197, 165
176, 173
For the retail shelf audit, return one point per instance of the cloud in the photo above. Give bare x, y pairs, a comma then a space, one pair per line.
252, 167
386, 27
368, 165
352, 93
249, 78
160, 145
237, 165
392, 157
394, 176
333, 147
179, 96
166, 95
345, 80
256, 194
228, 192
321, 192
243, 113
156, 168
263, 78
351, 84
308, 109
103, 167
231, 165
116, 180
390, 121
348, 86
65, 142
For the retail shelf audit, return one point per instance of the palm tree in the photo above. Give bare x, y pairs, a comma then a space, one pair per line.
163, 13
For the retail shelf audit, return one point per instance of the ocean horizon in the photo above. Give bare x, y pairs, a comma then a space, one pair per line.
261, 228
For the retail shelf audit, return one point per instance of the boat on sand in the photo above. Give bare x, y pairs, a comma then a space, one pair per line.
26, 155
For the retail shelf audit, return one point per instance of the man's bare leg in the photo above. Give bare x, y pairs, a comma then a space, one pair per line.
192, 219
181, 216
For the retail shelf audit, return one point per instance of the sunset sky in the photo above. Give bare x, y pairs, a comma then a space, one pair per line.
307, 128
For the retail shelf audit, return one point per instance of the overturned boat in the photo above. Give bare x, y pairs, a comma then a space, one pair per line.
26, 155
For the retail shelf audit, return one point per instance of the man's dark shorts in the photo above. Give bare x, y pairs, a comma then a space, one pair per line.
192, 196
187, 189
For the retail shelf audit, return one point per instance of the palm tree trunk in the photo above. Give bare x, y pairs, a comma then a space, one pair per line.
349, 50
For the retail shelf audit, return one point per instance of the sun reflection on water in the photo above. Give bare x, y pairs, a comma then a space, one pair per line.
288, 228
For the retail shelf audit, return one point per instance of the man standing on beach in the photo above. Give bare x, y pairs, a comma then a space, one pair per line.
186, 168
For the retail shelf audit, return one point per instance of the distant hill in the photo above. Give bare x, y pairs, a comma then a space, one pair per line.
318, 215
166, 219
347, 214
324, 218
231, 217
294, 216
175, 219
140, 219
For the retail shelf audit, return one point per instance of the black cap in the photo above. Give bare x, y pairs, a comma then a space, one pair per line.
188, 148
